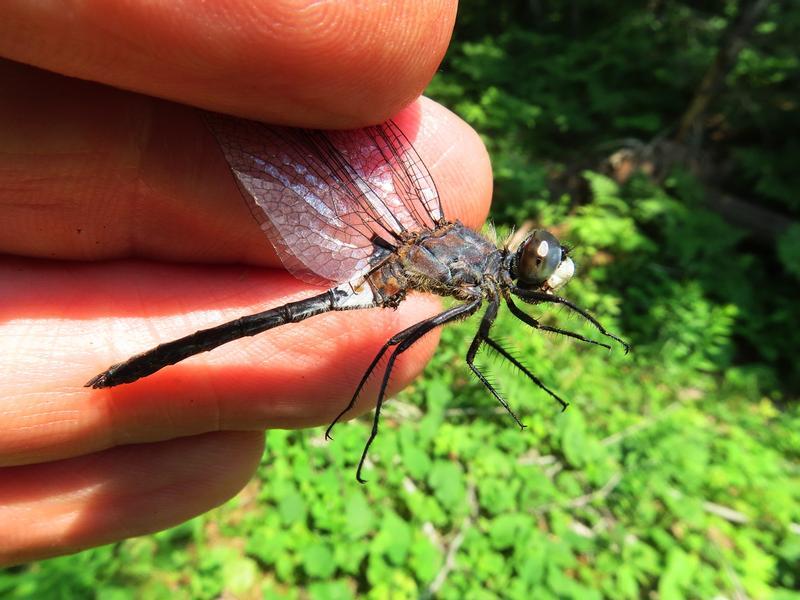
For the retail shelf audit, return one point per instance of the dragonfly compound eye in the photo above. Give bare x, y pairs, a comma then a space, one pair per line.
542, 260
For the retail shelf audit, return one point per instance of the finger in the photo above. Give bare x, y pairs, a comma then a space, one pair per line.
313, 64
63, 323
94, 173
65, 506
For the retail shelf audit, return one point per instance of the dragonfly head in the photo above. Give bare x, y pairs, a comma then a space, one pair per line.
542, 262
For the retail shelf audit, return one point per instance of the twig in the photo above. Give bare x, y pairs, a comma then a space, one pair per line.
580, 501
399, 410
455, 544
474, 410
554, 470
534, 458
581, 529
734, 516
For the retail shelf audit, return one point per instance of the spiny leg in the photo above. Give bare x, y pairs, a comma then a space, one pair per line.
532, 296
529, 320
510, 358
396, 339
417, 332
483, 335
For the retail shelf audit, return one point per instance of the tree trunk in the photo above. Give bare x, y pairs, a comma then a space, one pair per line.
731, 44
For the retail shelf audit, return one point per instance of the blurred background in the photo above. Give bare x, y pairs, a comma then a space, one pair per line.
661, 141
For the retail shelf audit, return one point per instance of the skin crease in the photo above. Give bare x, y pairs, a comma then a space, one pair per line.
121, 227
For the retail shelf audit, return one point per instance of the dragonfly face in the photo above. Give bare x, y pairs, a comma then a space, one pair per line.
541, 262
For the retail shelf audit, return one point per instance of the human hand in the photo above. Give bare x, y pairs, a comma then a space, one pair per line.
121, 227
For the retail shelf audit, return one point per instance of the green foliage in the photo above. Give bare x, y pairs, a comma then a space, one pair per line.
561, 81
674, 471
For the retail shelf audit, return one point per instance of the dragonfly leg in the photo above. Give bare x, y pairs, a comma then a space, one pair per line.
533, 296
413, 335
510, 358
529, 320
394, 340
483, 336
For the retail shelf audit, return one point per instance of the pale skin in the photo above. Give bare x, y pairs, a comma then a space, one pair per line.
120, 228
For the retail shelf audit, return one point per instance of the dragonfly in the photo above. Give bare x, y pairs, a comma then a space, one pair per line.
358, 213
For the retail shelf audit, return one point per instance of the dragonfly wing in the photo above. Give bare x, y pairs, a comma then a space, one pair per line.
333, 203
386, 161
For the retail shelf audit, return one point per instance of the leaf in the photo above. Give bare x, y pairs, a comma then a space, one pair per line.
426, 559
393, 539
507, 529
496, 496
446, 479
678, 574
359, 517
267, 544
114, 593
416, 461
318, 561
625, 582
239, 575
292, 507
334, 590
577, 444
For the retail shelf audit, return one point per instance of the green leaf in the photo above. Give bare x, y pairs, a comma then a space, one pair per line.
447, 481
393, 539
335, 590
678, 574
318, 561
359, 517
416, 461
292, 507
426, 559
506, 530
239, 575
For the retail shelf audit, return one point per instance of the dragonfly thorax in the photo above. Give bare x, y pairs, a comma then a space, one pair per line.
451, 260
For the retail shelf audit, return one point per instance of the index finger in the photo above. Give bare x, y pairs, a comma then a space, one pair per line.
305, 63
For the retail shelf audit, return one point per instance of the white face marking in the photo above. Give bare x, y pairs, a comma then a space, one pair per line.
543, 248
562, 274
